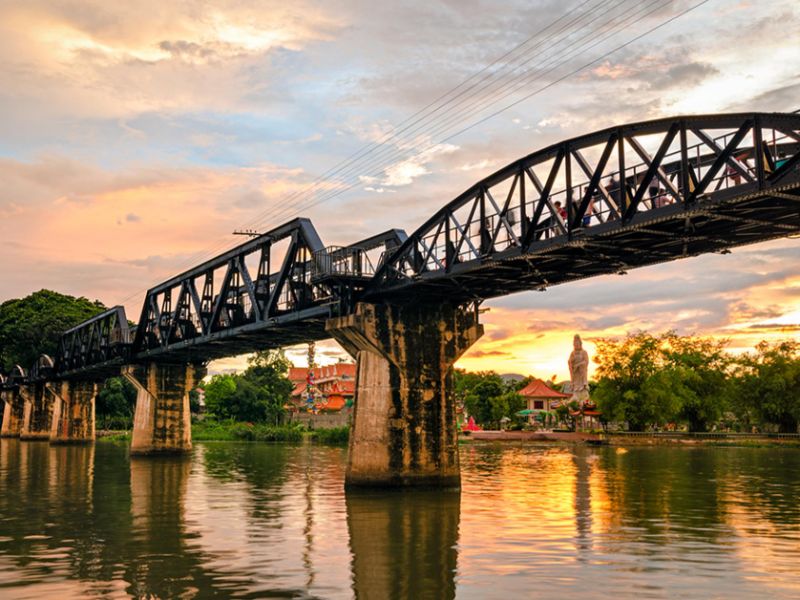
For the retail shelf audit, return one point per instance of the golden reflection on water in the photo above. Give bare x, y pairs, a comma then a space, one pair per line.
253, 520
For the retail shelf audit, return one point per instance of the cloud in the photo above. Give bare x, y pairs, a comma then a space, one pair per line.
183, 122
683, 75
484, 353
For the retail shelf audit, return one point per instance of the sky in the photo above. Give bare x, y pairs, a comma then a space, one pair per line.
136, 137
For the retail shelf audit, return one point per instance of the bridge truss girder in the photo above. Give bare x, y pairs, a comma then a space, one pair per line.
673, 188
98, 344
232, 299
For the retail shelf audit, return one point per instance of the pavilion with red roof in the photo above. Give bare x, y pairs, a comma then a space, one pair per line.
541, 397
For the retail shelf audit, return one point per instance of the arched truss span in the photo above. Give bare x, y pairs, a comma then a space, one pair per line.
615, 199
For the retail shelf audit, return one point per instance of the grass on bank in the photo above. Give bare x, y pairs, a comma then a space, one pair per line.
231, 431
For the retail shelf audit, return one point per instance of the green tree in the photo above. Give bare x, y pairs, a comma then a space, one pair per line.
31, 326
646, 380
115, 403
267, 376
623, 368
767, 387
483, 400
194, 401
256, 395
700, 370
220, 390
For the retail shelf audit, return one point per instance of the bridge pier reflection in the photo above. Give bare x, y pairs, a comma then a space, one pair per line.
404, 544
162, 421
73, 413
404, 422
162, 565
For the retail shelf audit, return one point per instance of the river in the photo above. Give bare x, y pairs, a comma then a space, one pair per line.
273, 521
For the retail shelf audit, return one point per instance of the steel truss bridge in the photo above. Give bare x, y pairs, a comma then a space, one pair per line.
605, 202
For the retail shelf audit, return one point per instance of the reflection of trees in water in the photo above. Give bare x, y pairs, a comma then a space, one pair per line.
403, 544
163, 565
107, 522
24, 481
50, 492
666, 493
262, 467
765, 482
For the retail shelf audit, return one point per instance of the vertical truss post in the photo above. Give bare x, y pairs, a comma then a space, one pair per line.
568, 176
685, 179
522, 210
623, 183
758, 151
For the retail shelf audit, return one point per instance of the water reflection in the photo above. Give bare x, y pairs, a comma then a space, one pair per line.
403, 543
162, 565
254, 520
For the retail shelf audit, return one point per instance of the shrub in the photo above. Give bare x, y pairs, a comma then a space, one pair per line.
332, 435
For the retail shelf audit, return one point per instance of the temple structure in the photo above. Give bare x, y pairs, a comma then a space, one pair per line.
335, 387
541, 398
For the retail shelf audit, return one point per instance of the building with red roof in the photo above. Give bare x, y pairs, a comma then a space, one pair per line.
541, 396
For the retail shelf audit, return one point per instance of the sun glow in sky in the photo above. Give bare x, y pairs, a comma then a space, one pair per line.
135, 137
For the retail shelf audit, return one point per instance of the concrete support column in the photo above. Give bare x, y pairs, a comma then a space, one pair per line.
37, 416
404, 421
73, 412
162, 421
13, 413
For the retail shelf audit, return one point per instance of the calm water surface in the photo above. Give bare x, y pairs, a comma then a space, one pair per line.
261, 521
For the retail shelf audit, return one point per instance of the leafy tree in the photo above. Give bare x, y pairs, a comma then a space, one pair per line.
487, 397
768, 386
701, 380
116, 402
31, 326
623, 368
646, 380
480, 400
257, 395
219, 391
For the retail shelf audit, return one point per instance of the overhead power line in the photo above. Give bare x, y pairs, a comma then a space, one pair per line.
371, 163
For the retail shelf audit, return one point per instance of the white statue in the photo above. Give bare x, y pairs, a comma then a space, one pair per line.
579, 371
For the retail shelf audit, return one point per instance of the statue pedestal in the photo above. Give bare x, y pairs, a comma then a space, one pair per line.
580, 397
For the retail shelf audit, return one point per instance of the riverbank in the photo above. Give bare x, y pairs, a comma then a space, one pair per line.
640, 438
206, 431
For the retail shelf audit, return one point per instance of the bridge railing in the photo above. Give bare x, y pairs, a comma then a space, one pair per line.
343, 261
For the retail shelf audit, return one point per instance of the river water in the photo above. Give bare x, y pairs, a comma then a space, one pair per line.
263, 521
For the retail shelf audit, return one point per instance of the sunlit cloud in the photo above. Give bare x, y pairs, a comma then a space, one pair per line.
134, 138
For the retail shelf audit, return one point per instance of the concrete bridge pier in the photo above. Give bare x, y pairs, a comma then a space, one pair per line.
404, 422
13, 413
73, 412
37, 417
162, 422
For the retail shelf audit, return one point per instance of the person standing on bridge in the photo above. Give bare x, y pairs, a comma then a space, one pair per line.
613, 189
557, 218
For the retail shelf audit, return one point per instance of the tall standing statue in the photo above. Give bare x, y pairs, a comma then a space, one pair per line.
579, 371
